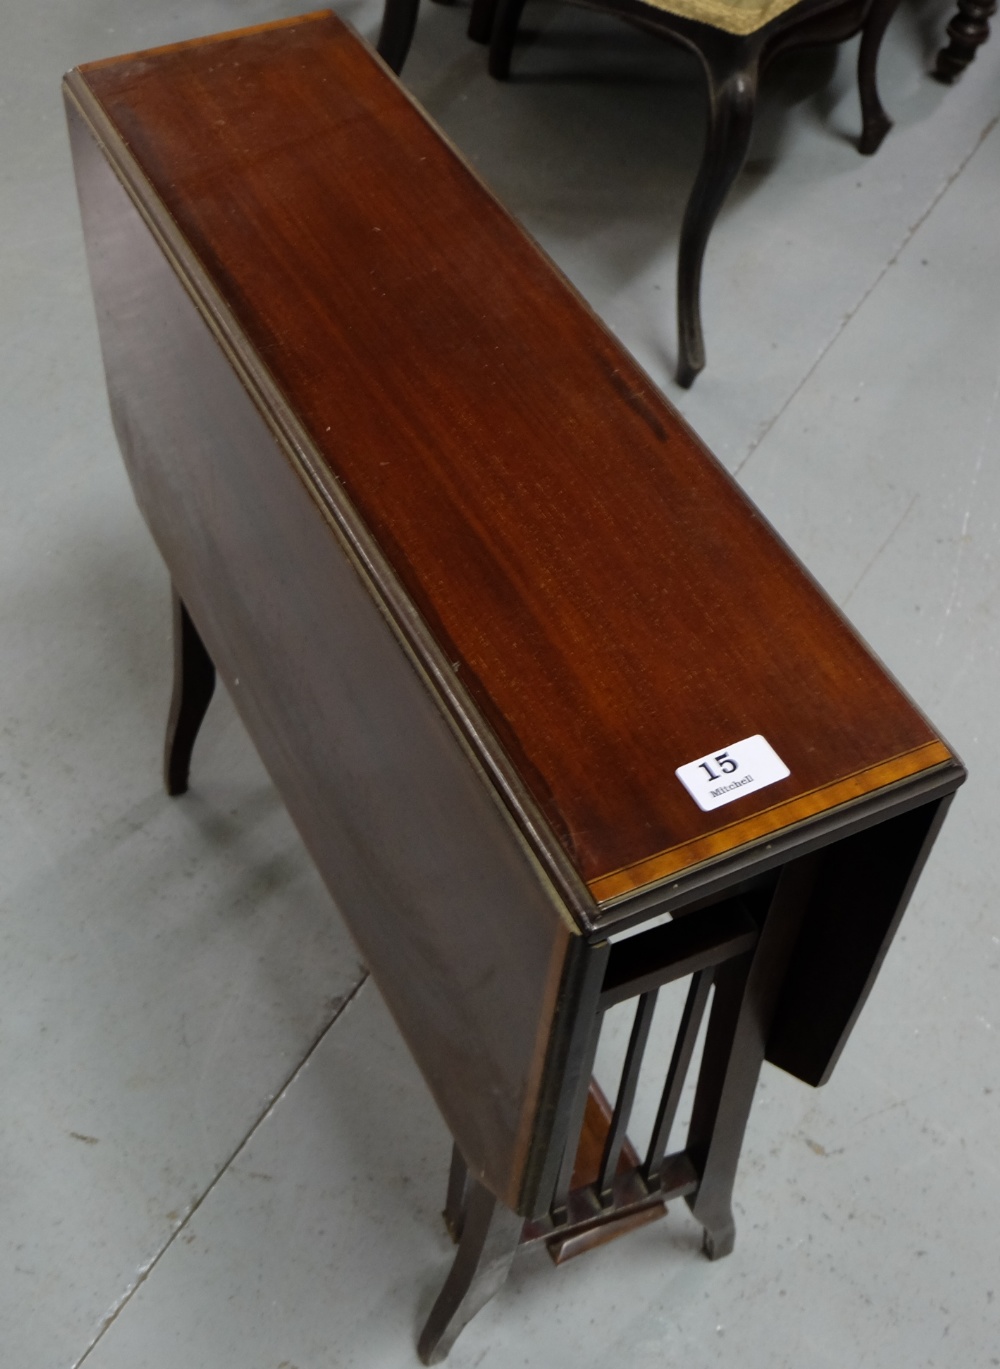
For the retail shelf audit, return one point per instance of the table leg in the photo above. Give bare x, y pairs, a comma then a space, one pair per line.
399, 20
491, 1234
454, 1203
481, 20
194, 684
499, 29
746, 995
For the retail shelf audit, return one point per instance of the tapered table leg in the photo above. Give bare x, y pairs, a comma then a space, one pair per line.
194, 685
490, 1237
746, 995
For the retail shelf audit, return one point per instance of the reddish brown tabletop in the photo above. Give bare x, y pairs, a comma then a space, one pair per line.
610, 602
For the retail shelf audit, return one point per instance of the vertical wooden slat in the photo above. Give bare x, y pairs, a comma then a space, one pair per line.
626, 1094
687, 1035
577, 1112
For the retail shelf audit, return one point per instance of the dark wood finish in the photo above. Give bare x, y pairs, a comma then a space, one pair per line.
458, 1188
590, 1226
471, 950
875, 122
490, 1238
602, 1190
587, 1224
858, 902
586, 1173
680, 1061
585, 1239
732, 64
593, 1139
544, 598
616, 1138
747, 991
481, 20
476, 591
194, 685
576, 1101
676, 950
732, 71
968, 30
399, 20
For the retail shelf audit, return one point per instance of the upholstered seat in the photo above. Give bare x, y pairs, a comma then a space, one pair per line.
732, 16
734, 39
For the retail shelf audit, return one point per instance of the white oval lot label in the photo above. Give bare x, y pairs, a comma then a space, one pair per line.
728, 774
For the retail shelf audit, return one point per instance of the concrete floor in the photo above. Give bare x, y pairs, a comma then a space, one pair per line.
214, 1150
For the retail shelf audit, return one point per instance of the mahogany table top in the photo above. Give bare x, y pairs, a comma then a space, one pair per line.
609, 604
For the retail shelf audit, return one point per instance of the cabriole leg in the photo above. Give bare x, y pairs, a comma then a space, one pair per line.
875, 123
732, 70
490, 1237
194, 684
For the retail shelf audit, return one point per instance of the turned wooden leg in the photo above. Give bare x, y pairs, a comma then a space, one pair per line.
746, 995
731, 69
194, 684
491, 1234
505, 17
968, 29
399, 19
481, 20
875, 123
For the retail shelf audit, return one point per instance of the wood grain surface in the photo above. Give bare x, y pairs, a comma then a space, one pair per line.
469, 948
611, 602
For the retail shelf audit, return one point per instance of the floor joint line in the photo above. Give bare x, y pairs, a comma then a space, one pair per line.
144, 1273
911, 232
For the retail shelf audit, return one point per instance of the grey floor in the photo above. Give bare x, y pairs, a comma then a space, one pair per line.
214, 1150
